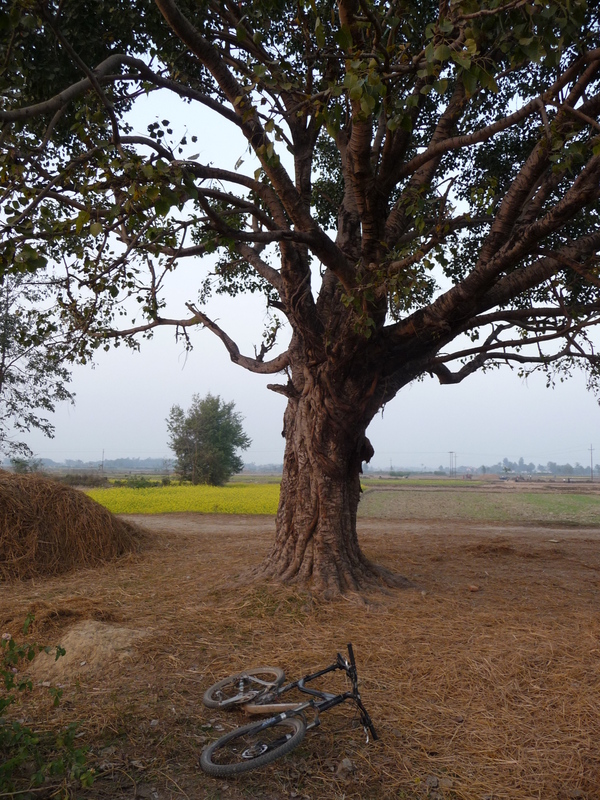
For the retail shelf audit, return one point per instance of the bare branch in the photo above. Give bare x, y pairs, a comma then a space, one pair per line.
252, 364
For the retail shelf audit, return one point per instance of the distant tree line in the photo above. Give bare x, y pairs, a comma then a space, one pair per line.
266, 468
115, 464
551, 468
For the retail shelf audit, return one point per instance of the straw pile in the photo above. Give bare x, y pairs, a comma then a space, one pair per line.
48, 529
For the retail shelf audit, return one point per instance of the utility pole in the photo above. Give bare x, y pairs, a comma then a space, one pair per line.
591, 463
452, 455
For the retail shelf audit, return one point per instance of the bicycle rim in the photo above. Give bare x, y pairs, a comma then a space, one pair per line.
241, 688
252, 746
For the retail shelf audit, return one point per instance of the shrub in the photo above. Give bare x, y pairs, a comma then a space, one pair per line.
136, 482
30, 759
84, 479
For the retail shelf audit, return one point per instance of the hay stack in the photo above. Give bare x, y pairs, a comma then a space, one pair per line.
47, 528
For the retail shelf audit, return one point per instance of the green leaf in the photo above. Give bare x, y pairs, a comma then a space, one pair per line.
162, 206
469, 81
82, 219
442, 53
462, 59
96, 228
488, 82
319, 33
343, 37
367, 104
471, 46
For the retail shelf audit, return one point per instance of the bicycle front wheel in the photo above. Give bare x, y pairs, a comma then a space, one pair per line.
243, 687
252, 746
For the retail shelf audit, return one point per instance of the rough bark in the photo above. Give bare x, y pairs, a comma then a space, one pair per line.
316, 543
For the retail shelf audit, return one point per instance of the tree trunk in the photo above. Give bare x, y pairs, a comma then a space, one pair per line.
316, 543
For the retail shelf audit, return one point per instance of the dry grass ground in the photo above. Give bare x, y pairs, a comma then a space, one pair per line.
483, 680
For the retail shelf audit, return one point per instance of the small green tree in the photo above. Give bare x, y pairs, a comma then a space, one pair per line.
33, 371
205, 440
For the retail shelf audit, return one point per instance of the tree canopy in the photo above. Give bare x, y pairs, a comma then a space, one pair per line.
205, 440
425, 200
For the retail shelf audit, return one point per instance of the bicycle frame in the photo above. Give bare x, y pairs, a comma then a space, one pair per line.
323, 702
259, 691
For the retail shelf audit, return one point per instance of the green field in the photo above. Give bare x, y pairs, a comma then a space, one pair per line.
401, 483
503, 505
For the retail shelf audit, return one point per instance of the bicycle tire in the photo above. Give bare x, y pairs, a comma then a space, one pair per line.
252, 746
224, 693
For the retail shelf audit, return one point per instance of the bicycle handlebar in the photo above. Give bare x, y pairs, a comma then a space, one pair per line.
351, 654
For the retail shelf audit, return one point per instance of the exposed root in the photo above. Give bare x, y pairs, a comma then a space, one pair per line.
391, 579
330, 584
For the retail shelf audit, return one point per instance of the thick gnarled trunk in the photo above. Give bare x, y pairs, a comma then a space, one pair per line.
316, 543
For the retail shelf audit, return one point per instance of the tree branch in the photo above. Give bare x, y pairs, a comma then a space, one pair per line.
292, 201
62, 99
252, 364
484, 134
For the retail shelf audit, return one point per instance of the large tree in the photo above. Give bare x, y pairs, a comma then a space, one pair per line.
425, 200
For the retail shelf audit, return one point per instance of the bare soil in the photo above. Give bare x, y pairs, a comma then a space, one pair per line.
483, 679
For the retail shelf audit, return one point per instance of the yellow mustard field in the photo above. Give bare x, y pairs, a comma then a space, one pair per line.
240, 498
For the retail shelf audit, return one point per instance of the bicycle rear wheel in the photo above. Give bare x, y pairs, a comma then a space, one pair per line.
243, 687
252, 746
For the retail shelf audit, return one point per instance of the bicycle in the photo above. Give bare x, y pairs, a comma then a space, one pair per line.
258, 691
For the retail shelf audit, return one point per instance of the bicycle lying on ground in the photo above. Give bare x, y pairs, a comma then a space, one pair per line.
258, 691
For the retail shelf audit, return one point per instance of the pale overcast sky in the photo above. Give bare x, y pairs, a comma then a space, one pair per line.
122, 404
